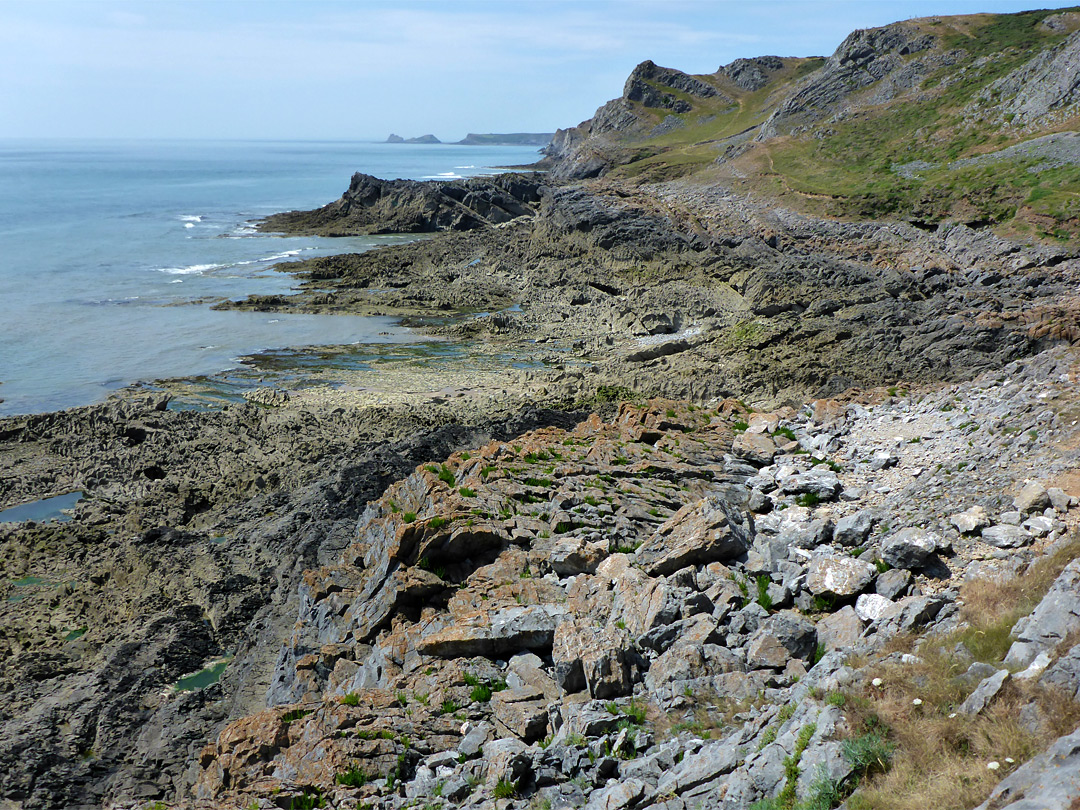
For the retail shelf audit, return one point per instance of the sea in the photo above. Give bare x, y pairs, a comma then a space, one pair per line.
112, 253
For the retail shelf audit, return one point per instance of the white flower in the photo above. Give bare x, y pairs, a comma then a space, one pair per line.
993, 766
916, 702
877, 682
1010, 760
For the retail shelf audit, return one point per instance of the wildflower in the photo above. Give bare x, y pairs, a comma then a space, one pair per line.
917, 702
993, 766
877, 682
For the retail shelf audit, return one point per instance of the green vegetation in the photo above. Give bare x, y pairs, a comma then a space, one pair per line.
354, 777
351, 699
505, 789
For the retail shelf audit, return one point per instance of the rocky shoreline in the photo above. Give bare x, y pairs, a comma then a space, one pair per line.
687, 560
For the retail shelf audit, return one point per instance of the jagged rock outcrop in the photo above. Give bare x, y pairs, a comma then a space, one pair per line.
371, 205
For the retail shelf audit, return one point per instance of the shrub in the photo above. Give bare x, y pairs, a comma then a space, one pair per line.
481, 693
354, 777
465, 492
808, 499
505, 789
351, 699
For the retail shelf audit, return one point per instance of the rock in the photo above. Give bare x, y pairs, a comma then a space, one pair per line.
1055, 617
781, 637
1049, 781
909, 548
711, 530
840, 576
893, 583
1039, 526
472, 742
1032, 498
853, 530
1005, 536
507, 631
618, 795
704, 766
575, 555
757, 448
916, 611
506, 758
872, 607
839, 630
522, 712
820, 482
971, 520
1059, 499
587, 657
1065, 672
984, 693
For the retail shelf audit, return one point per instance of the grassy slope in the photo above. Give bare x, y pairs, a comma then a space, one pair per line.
848, 168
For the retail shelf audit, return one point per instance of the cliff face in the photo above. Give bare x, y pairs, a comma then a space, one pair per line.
881, 128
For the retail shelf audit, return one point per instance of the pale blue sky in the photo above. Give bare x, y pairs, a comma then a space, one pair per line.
318, 69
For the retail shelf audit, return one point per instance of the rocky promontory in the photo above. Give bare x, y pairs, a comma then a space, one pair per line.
723, 482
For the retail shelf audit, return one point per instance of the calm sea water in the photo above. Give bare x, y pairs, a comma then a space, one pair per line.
110, 250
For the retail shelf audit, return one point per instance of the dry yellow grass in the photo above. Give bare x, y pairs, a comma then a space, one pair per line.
941, 757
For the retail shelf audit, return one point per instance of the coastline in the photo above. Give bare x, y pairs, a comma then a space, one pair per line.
600, 290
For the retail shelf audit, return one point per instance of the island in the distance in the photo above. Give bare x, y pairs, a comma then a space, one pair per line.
488, 139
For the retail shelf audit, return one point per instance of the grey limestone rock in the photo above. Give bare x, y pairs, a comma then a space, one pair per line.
1050, 781
782, 637
837, 575
853, 530
1006, 536
909, 548
1065, 672
1032, 498
892, 584
1057, 615
971, 520
984, 693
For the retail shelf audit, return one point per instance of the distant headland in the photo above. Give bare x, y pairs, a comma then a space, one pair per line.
486, 139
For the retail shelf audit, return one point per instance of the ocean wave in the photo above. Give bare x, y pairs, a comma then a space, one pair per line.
288, 254
192, 218
189, 224
464, 167
190, 269
443, 176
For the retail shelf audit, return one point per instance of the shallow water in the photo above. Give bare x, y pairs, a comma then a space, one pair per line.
203, 678
47, 509
112, 252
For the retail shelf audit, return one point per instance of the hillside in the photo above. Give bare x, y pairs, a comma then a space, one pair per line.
969, 119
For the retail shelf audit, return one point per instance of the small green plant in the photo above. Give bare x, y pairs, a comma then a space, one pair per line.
310, 798
351, 699
670, 413
505, 789
763, 597
465, 492
446, 476
470, 679
786, 432
808, 499
438, 522
481, 693
294, 714
354, 777
449, 706
402, 699
422, 698
740, 426
836, 699
409, 517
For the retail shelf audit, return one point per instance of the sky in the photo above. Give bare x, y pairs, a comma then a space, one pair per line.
325, 70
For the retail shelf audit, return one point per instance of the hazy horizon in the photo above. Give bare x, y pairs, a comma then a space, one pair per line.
358, 71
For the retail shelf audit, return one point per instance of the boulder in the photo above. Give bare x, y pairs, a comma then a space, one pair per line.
892, 584
853, 530
711, 530
909, 548
839, 630
1006, 536
971, 520
780, 638
757, 448
522, 712
1032, 498
1065, 673
984, 693
820, 481
873, 607
1059, 499
592, 658
838, 575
